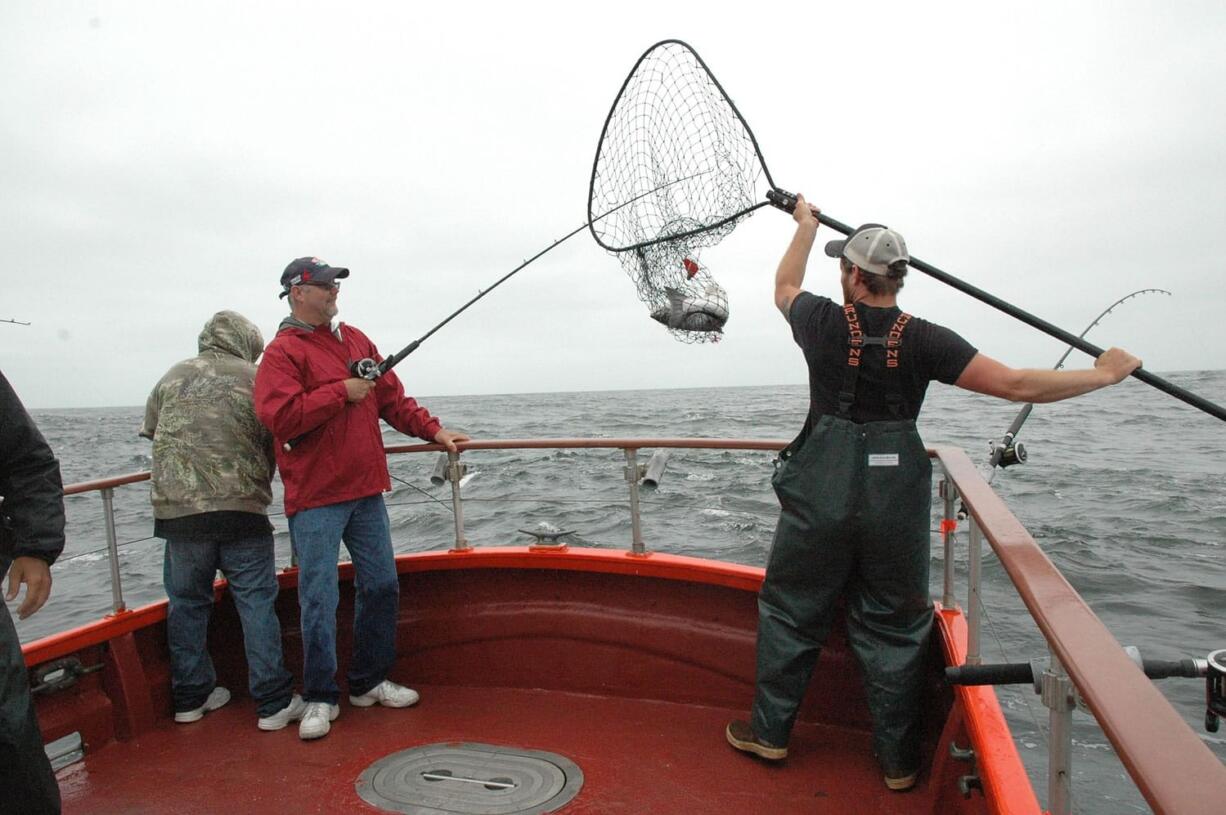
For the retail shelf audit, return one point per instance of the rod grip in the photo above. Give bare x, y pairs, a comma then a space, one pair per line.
1003, 673
1022, 673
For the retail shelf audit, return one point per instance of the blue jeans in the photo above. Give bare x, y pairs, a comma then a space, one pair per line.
317, 534
188, 572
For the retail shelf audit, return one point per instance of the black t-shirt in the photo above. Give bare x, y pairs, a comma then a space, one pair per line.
212, 527
927, 352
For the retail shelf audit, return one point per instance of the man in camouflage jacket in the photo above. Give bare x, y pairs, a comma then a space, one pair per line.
212, 475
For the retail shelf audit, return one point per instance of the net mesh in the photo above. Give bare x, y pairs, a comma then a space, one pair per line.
681, 170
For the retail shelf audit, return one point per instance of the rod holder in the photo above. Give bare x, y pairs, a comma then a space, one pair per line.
654, 471
454, 472
112, 549
633, 474
439, 476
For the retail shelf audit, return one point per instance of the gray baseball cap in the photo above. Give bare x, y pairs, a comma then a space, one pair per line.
872, 247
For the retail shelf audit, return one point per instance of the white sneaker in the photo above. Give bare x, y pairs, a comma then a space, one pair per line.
290, 713
317, 720
388, 694
216, 699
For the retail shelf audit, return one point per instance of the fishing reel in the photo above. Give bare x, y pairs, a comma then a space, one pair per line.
1006, 452
365, 369
1215, 689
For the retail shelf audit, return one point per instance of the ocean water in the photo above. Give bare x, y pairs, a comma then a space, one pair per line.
1123, 490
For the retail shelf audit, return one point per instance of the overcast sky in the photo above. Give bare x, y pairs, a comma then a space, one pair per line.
160, 161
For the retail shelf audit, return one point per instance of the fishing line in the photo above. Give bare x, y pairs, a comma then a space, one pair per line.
423, 492
120, 545
370, 369
672, 119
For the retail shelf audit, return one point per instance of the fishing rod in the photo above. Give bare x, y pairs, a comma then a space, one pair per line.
1006, 452
370, 369
672, 113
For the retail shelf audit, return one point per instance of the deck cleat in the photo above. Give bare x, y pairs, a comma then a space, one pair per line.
547, 536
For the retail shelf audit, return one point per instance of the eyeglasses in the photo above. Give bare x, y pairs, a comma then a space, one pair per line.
333, 286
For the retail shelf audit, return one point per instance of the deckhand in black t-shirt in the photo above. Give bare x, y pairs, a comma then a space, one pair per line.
928, 351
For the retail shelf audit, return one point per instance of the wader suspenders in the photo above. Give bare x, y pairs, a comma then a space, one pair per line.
892, 342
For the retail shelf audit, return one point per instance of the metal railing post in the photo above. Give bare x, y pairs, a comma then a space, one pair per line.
454, 473
1057, 694
636, 528
949, 493
112, 548
973, 606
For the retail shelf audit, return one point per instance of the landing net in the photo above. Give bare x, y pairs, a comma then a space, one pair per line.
681, 168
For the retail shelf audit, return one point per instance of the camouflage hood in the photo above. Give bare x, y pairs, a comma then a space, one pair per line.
210, 452
230, 333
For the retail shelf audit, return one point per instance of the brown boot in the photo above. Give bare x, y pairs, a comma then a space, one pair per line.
901, 781
740, 735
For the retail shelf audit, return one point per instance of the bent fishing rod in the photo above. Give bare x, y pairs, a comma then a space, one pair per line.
1005, 452
371, 370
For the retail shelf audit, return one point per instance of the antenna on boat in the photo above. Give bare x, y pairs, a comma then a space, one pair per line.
1007, 451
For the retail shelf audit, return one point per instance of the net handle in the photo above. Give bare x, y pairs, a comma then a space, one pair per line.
780, 198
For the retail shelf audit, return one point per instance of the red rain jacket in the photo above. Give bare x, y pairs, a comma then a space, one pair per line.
300, 394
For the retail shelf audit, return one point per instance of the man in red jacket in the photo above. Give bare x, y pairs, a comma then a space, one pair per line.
335, 476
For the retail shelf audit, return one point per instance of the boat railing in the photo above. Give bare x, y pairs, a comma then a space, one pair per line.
1158, 749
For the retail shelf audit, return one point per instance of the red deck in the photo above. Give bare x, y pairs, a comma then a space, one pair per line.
629, 667
636, 757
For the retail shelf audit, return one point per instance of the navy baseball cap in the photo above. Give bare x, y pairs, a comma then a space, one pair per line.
309, 270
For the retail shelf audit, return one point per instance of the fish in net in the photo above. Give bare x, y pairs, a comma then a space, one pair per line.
681, 169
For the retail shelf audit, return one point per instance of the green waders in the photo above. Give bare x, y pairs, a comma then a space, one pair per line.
854, 521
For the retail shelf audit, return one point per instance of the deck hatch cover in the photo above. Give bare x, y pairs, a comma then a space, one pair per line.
470, 779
